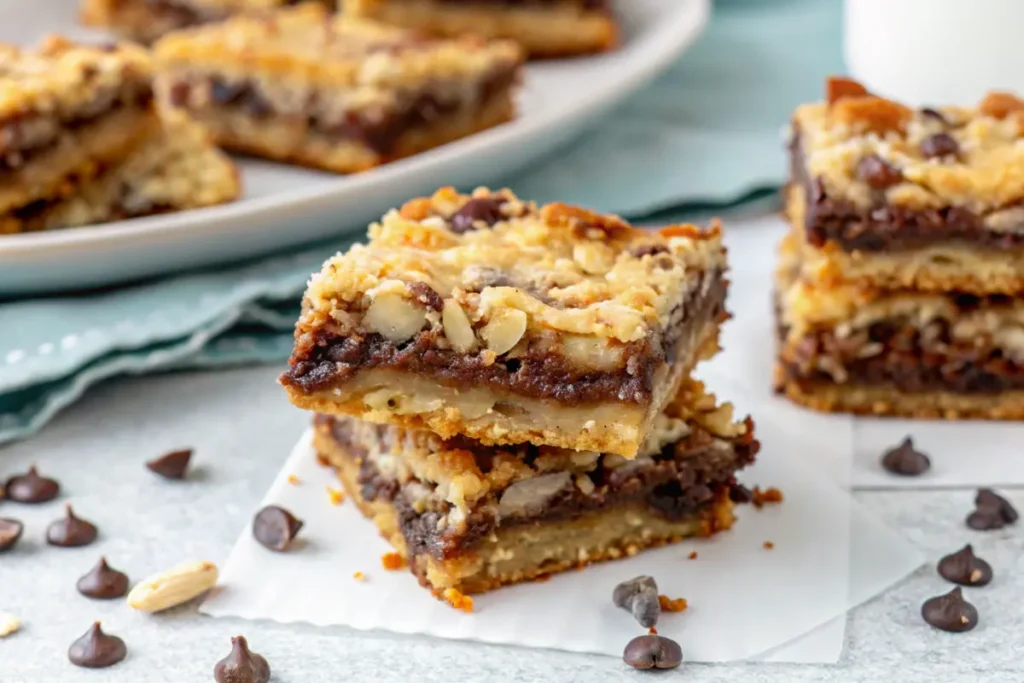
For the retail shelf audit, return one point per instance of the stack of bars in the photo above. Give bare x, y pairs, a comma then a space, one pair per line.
505, 390
82, 142
899, 289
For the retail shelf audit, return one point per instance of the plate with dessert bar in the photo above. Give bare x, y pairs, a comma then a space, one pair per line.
144, 138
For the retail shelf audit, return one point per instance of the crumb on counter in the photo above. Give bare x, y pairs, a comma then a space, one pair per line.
458, 600
692, 555
359, 576
322, 460
766, 497
293, 480
672, 604
336, 496
768, 545
392, 561
652, 631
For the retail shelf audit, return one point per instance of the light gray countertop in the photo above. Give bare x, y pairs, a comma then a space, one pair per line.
242, 429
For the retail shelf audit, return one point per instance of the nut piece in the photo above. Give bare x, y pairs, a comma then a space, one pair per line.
504, 330
1000, 105
9, 624
457, 327
871, 114
173, 587
394, 316
595, 258
838, 87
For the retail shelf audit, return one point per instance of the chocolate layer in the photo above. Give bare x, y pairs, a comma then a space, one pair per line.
536, 375
675, 483
884, 226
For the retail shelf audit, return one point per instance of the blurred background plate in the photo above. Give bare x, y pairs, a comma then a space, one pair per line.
284, 206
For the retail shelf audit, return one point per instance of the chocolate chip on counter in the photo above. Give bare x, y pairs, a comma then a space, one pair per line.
426, 295
965, 568
242, 665
96, 649
992, 511
10, 532
950, 612
739, 493
483, 209
70, 531
652, 652
878, 173
639, 596
939, 145
171, 465
32, 488
103, 582
275, 528
905, 460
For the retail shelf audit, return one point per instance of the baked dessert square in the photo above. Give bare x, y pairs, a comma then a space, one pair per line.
546, 28
175, 169
334, 93
893, 197
146, 20
851, 348
507, 322
470, 518
67, 112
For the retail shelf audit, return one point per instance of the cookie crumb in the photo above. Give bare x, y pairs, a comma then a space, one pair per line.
672, 604
322, 460
458, 600
652, 631
359, 576
768, 496
768, 545
693, 555
336, 496
293, 480
393, 561
9, 624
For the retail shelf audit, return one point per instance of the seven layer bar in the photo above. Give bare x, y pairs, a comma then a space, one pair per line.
899, 290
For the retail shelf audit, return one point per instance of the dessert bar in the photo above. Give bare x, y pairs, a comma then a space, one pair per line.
67, 112
472, 518
507, 322
545, 28
146, 20
335, 93
175, 169
894, 197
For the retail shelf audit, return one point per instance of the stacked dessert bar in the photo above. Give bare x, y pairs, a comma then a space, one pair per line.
504, 389
545, 28
81, 141
899, 290
332, 92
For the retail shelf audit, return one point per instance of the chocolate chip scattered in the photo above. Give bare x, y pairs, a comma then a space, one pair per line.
70, 531
965, 568
426, 295
242, 665
639, 596
739, 493
10, 532
939, 145
171, 465
103, 582
96, 649
878, 173
652, 652
32, 488
931, 113
275, 528
905, 460
483, 209
950, 612
992, 511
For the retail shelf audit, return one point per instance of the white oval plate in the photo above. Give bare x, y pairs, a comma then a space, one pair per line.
285, 206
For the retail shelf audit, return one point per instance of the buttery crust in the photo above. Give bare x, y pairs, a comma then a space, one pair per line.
561, 29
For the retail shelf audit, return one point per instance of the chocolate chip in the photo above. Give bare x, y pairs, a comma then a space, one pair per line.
171, 465
275, 528
950, 612
878, 173
992, 511
10, 532
648, 250
930, 113
96, 649
103, 582
939, 145
739, 493
652, 652
483, 209
242, 665
223, 92
905, 460
965, 568
32, 488
425, 294
639, 596
70, 531
179, 94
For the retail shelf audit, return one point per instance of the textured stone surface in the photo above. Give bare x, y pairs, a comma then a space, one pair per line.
242, 428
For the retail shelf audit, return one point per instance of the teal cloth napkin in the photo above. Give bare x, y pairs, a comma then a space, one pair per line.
707, 132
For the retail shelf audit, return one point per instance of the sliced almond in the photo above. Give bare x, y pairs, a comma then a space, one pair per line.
173, 587
504, 330
394, 316
838, 87
9, 624
457, 327
595, 258
872, 114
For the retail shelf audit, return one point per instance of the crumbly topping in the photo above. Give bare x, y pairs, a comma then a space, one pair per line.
870, 151
62, 78
308, 43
